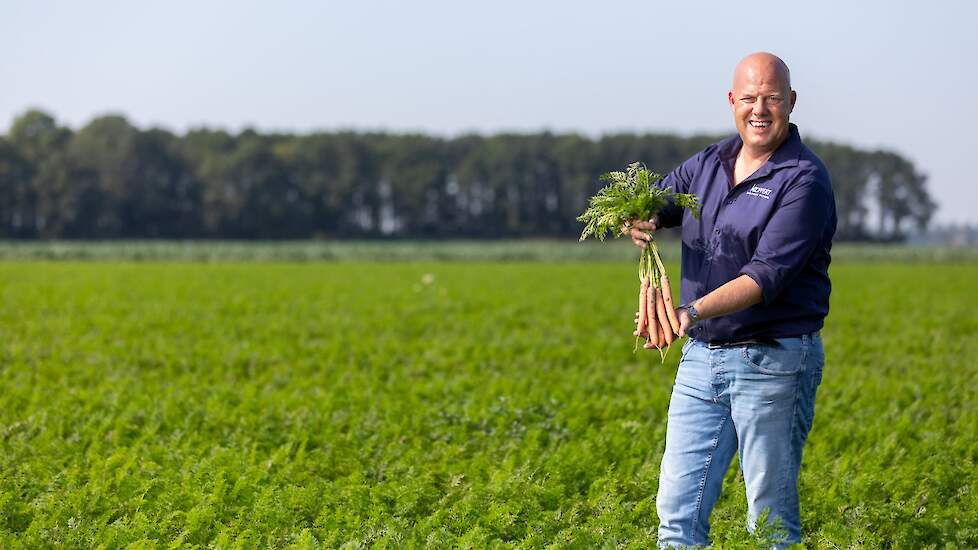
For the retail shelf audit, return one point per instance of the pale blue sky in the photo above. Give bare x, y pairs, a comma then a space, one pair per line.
899, 75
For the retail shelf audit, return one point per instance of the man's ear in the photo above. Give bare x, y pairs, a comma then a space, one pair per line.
730, 98
794, 98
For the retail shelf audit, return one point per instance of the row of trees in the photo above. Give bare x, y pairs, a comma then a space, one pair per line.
112, 180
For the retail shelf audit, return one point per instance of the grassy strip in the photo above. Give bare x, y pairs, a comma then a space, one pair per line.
528, 250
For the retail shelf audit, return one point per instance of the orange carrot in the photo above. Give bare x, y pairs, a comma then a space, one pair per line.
662, 337
660, 311
653, 326
667, 298
643, 312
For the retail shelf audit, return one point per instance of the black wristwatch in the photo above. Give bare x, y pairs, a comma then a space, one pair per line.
693, 314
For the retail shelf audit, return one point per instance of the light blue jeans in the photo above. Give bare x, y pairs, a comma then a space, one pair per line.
757, 398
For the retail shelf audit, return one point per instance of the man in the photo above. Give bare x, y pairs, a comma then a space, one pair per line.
755, 289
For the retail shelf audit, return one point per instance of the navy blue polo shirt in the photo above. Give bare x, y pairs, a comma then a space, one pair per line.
776, 227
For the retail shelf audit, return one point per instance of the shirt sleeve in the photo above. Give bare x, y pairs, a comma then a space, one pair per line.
679, 180
789, 238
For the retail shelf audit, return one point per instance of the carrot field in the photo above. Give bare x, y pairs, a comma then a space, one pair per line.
378, 404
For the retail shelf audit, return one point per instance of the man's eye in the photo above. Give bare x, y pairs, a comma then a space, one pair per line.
747, 99
776, 99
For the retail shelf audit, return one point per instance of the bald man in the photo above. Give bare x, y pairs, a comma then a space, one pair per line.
755, 293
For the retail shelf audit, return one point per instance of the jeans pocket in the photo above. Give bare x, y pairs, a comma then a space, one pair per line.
783, 359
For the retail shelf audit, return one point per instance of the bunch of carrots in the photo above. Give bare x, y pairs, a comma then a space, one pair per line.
632, 194
657, 321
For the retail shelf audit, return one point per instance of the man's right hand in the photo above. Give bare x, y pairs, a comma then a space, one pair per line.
640, 230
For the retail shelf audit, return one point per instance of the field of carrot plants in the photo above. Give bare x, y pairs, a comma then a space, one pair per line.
437, 405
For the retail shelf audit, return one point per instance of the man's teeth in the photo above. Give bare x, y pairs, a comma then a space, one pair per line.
759, 124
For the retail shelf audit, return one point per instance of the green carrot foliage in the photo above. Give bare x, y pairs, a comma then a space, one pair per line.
466, 404
630, 195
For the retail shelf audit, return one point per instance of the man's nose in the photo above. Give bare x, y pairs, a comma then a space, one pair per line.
760, 107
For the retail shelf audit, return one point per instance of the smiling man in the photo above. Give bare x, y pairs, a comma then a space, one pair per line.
755, 289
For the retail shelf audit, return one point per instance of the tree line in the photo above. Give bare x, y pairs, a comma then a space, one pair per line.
111, 180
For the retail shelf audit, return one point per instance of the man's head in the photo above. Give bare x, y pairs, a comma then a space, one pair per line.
762, 100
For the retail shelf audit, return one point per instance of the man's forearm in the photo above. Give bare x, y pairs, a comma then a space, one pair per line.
735, 295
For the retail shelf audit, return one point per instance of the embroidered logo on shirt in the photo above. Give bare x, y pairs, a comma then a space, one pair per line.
758, 191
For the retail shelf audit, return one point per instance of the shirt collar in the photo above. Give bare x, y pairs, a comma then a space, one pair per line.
784, 156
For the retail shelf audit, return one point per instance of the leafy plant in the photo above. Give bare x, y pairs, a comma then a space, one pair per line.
630, 195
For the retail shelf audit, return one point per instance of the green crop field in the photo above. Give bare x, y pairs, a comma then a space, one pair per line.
438, 405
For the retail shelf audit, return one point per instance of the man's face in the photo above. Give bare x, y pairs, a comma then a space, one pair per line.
762, 102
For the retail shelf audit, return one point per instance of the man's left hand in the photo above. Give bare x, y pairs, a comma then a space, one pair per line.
685, 321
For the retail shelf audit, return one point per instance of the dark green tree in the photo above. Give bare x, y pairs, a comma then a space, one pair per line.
17, 200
